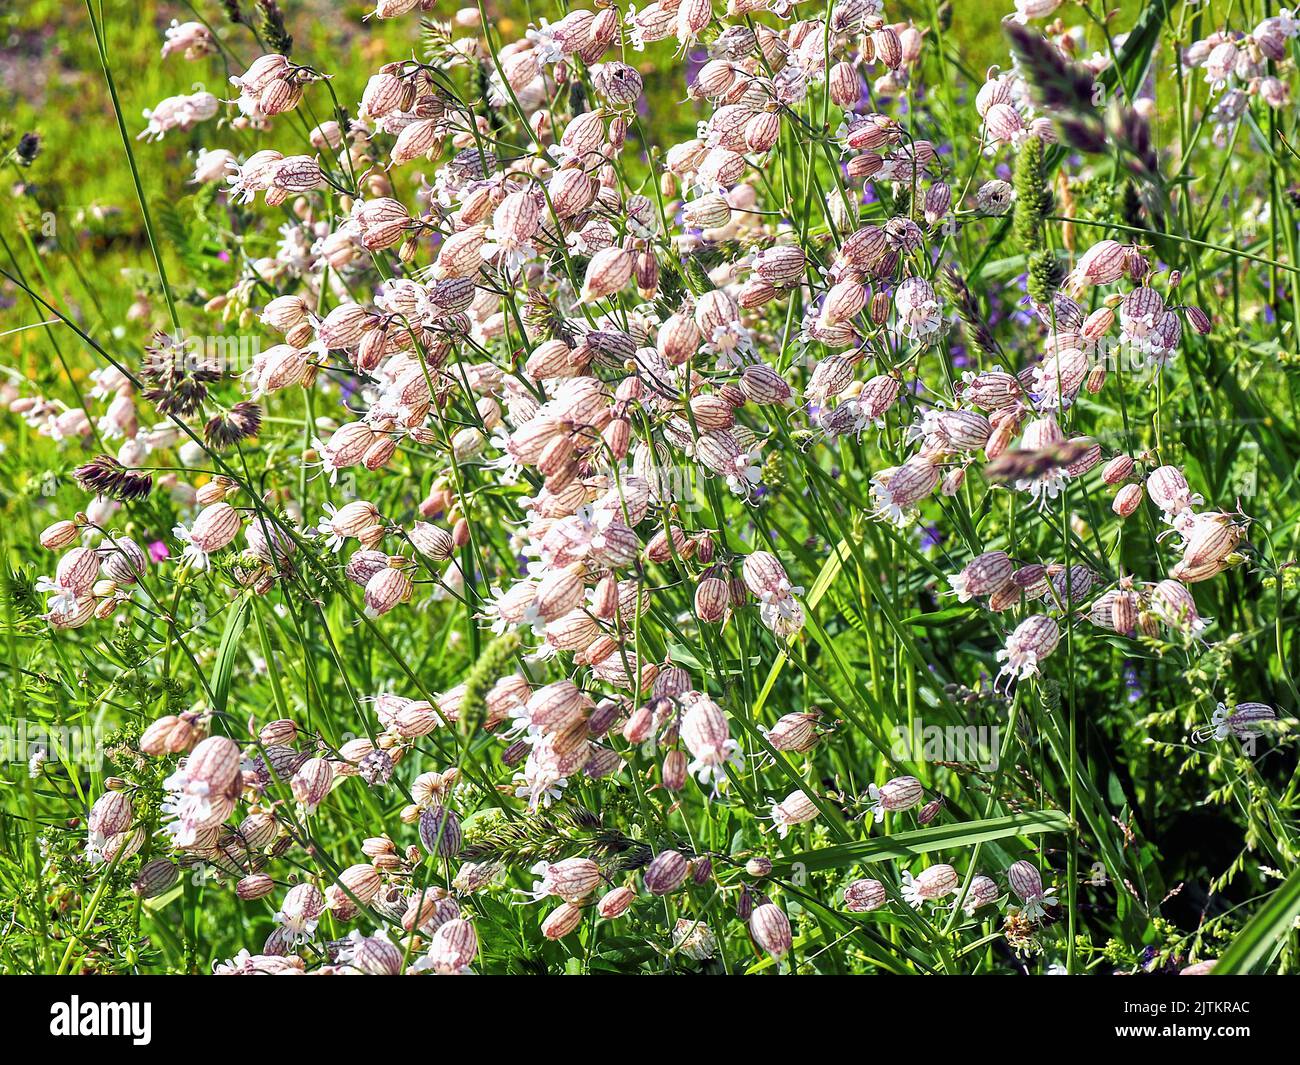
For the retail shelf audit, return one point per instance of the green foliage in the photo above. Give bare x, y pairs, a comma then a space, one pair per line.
1168, 845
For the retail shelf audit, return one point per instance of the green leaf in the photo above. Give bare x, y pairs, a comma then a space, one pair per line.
830, 570
236, 621
938, 618
1258, 943
926, 840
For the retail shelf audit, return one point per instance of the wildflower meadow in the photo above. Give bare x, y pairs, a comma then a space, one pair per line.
751, 487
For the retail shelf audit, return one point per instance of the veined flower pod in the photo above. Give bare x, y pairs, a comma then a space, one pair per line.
428, 909
1003, 123
214, 528
617, 83
878, 395
550, 359
1097, 324
572, 879
933, 884
712, 598
905, 486
432, 541
1173, 604
718, 451
312, 782
284, 366
73, 616
983, 575
1026, 882
765, 577
571, 192
712, 411
357, 886
608, 271
962, 429
640, 726
938, 202
386, 589
263, 70
1101, 613
783, 265
345, 325
561, 921
77, 570
842, 84
672, 773
794, 732
983, 891
154, 878
384, 93
364, 564
615, 903
704, 729
420, 138
876, 131
562, 754
709, 211
1117, 470
770, 928
1168, 489
863, 896
692, 17
1209, 541
585, 134
1124, 612
59, 535
354, 518
794, 809
993, 91
576, 631
1101, 264
900, 793
1127, 500
110, 814
454, 946
1033, 640
843, 302
992, 390
830, 377
1203, 571
554, 707
1042, 433
516, 218
254, 886
168, 735
297, 173
1035, 9
214, 762
440, 831
560, 592
763, 385
460, 255
665, 873
1244, 721
302, 906
715, 78
258, 831
1069, 585
1006, 597
373, 955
